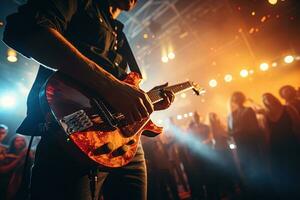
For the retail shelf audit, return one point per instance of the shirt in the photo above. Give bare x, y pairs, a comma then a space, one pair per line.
87, 24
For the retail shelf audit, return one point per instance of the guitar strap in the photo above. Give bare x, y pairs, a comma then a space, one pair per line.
131, 61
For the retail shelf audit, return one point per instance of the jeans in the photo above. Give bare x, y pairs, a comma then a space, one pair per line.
57, 176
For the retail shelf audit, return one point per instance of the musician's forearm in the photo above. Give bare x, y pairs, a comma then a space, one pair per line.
60, 54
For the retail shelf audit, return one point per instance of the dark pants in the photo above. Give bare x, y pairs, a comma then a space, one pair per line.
56, 175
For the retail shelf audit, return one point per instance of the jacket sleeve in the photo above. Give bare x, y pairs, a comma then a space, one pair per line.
34, 15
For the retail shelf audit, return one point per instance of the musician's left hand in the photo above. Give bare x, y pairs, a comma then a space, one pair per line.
168, 97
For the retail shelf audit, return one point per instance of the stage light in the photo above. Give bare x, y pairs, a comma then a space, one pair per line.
12, 55
185, 115
213, 83
183, 95
244, 73
264, 67
289, 59
228, 78
232, 146
171, 55
164, 59
274, 64
8, 100
273, 2
179, 117
145, 36
191, 114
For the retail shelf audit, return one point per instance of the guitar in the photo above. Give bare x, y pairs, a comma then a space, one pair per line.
92, 126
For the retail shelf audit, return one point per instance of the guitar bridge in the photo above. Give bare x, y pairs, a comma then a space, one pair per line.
76, 122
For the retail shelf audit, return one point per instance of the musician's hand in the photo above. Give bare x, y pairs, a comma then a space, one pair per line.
168, 97
131, 101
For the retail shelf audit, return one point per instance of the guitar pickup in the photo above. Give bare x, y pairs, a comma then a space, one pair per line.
76, 122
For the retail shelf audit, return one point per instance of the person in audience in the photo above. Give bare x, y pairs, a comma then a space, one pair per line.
283, 124
3, 133
289, 94
11, 168
224, 169
3, 150
243, 127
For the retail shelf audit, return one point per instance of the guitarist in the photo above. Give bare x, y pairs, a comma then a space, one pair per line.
83, 40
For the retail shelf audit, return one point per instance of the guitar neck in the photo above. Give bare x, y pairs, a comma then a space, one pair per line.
155, 96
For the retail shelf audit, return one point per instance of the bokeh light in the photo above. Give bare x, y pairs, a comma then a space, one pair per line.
264, 67
213, 83
228, 78
244, 73
289, 59
273, 2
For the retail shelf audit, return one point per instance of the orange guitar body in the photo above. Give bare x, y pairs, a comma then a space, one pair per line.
106, 146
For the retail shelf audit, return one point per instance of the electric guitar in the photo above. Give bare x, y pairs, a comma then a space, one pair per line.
90, 125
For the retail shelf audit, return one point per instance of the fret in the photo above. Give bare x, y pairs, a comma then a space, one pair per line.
154, 95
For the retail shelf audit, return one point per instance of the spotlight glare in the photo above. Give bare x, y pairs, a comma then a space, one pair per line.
165, 59
232, 146
244, 73
171, 55
8, 101
289, 59
228, 78
190, 114
213, 83
185, 115
264, 67
179, 117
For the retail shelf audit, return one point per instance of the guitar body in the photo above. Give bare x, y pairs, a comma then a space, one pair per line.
90, 124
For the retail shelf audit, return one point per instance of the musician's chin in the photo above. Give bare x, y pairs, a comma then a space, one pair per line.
125, 4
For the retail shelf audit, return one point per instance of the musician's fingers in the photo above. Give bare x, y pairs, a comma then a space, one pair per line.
170, 95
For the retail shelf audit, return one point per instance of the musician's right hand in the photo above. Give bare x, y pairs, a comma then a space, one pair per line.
130, 101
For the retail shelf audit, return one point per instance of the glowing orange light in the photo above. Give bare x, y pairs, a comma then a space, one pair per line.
263, 19
12, 55
244, 73
289, 59
273, 2
213, 83
253, 13
171, 55
264, 67
274, 64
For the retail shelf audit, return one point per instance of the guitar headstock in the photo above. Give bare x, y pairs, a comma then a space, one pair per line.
197, 88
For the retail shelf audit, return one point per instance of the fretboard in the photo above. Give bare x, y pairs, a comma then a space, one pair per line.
155, 96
